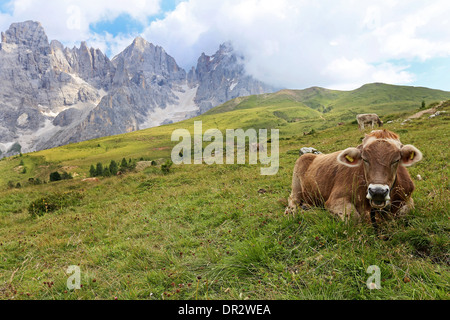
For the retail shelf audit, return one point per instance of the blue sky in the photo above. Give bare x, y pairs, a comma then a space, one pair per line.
126, 24
288, 43
434, 73
5, 7
122, 24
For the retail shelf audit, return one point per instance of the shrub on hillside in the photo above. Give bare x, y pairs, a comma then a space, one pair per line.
66, 176
53, 202
55, 176
165, 168
423, 105
34, 181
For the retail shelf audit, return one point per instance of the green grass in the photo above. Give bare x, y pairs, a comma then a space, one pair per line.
205, 232
378, 97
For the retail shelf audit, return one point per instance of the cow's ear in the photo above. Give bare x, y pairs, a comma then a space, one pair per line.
410, 155
350, 157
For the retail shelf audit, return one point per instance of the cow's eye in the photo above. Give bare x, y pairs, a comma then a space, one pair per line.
395, 162
366, 161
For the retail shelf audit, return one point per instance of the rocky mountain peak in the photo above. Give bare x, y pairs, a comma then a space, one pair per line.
137, 48
225, 48
144, 57
51, 95
222, 77
29, 34
140, 43
84, 46
56, 45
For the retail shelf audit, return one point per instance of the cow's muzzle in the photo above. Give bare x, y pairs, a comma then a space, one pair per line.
378, 194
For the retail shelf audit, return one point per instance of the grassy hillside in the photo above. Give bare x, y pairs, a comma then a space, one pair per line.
378, 97
294, 112
219, 232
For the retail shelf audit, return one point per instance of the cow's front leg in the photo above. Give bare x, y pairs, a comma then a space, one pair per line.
292, 206
295, 199
343, 208
406, 208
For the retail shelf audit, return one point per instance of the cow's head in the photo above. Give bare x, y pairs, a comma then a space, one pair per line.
380, 154
380, 122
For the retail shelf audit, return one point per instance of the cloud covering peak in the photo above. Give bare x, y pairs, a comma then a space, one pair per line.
286, 43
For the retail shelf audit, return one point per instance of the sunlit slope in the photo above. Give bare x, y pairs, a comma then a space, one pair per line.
293, 112
376, 97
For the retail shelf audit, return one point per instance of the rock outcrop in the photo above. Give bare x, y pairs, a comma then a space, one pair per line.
221, 77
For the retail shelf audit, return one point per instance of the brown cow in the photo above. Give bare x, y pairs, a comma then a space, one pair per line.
351, 182
255, 147
369, 119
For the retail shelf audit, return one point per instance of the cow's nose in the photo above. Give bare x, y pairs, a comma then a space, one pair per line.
378, 191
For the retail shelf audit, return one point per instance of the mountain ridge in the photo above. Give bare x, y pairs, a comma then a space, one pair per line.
376, 96
51, 95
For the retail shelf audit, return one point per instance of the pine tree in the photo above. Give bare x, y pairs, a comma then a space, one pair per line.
123, 164
113, 168
106, 172
99, 170
92, 171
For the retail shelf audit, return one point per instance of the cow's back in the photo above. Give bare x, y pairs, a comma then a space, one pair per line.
318, 174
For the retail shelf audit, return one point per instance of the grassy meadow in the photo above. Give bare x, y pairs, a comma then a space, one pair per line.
219, 231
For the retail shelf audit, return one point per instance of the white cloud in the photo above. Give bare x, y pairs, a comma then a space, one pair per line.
69, 20
421, 33
347, 71
296, 44
390, 73
349, 74
287, 43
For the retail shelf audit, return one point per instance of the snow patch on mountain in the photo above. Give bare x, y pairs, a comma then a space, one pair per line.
184, 109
